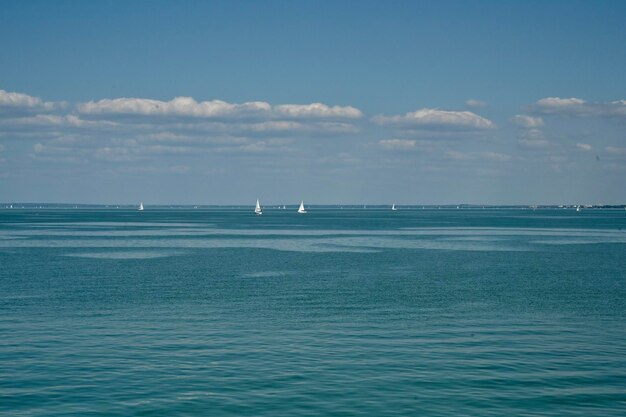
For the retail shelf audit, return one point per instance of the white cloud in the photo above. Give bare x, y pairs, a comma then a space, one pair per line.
434, 118
131, 149
116, 154
188, 107
584, 147
339, 162
397, 144
459, 156
532, 139
336, 127
184, 115
494, 156
165, 149
273, 126
182, 118
577, 107
557, 102
253, 147
527, 143
285, 126
139, 169
177, 138
619, 107
527, 122
615, 150
317, 110
264, 146
58, 154
59, 159
20, 101
53, 120
562, 106
475, 103
467, 156
532, 134
179, 106
263, 128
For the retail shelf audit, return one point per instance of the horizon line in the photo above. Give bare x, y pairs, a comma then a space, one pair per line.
8, 205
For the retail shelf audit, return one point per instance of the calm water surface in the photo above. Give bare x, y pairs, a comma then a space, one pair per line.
337, 312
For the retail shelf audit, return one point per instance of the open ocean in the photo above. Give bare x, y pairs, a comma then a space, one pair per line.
211, 312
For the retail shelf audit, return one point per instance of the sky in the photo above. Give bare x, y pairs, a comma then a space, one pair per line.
331, 102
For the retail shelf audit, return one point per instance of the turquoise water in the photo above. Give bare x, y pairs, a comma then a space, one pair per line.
337, 312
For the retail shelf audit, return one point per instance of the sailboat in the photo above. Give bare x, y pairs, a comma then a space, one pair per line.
301, 210
393, 207
578, 208
257, 209
140, 207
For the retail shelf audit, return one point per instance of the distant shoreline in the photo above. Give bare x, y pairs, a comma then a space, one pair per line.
15, 206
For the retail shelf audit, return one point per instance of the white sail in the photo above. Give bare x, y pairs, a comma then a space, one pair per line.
140, 207
301, 210
393, 207
257, 209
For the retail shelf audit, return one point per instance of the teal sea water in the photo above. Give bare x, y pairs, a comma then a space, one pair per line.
338, 312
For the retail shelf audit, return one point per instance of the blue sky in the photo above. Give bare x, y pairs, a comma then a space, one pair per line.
494, 102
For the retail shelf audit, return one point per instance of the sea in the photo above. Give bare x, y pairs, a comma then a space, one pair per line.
338, 312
